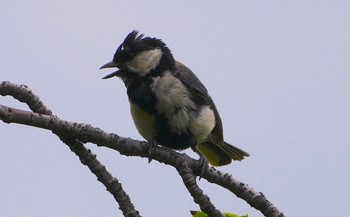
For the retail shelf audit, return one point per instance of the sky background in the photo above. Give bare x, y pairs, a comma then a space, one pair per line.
278, 71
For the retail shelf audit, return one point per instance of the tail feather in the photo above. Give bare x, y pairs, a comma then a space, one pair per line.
219, 155
234, 152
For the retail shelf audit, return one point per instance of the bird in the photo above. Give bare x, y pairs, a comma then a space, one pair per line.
169, 105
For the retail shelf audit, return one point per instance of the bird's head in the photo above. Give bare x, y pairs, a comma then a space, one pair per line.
139, 56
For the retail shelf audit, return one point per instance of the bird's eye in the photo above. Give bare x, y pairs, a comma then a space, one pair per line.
130, 54
123, 56
127, 56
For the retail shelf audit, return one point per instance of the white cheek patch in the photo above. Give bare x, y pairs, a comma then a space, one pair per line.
145, 61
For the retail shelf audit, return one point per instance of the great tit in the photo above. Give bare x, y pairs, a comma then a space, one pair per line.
169, 104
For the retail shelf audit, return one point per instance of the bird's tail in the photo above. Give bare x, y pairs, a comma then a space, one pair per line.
219, 155
234, 152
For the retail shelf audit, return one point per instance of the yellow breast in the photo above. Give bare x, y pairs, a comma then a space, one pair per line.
144, 122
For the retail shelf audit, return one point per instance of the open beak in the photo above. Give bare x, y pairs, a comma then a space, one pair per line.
111, 65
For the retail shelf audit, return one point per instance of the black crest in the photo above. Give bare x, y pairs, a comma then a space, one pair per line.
130, 40
135, 43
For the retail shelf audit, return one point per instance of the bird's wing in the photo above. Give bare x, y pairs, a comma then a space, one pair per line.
201, 97
193, 84
216, 150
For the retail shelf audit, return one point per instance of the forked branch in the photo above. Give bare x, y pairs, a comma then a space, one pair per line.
76, 134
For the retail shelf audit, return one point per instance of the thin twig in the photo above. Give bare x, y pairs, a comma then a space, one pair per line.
111, 183
255, 199
199, 197
23, 94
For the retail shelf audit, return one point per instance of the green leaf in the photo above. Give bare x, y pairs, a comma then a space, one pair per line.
226, 214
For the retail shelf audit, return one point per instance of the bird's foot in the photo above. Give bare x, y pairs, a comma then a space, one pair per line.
151, 147
203, 163
203, 166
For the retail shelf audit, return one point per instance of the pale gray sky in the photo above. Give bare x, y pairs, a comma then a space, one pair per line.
279, 73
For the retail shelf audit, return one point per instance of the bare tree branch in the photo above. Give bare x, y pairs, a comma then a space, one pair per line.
23, 94
112, 184
203, 200
85, 133
253, 198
